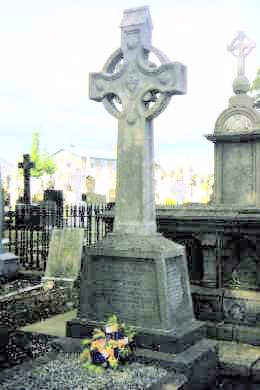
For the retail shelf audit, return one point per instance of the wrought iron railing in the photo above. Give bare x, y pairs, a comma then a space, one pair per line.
28, 230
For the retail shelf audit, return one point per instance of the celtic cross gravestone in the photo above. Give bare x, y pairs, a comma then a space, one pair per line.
135, 272
135, 90
26, 165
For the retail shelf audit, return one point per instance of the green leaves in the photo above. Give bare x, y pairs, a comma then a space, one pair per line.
112, 320
256, 83
86, 341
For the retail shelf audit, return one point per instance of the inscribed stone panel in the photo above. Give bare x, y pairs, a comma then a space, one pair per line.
127, 287
177, 288
65, 253
238, 175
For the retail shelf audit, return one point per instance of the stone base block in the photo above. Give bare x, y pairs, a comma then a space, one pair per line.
144, 280
239, 360
198, 363
8, 265
237, 333
173, 342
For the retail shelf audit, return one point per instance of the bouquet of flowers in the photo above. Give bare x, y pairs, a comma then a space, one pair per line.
109, 347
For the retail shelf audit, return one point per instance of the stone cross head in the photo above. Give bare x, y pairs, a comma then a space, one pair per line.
240, 47
130, 79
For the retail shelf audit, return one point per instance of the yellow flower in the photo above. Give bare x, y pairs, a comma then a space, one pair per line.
122, 342
110, 351
94, 345
100, 343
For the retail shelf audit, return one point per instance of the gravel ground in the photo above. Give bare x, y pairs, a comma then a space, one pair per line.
65, 373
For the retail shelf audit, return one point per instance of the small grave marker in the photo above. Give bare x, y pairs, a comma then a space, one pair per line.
65, 252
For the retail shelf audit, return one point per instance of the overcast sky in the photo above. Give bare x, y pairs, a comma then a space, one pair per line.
48, 48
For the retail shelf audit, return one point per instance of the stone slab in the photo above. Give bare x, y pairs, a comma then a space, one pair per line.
65, 252
248, 334
237, 359
237, 160
9, 264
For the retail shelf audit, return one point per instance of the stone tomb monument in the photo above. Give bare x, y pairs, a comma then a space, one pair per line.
135, 272
237, 139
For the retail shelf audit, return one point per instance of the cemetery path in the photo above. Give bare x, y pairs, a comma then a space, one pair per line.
54, 326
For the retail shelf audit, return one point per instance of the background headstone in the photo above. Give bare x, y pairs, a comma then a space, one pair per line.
8, 262
65, 252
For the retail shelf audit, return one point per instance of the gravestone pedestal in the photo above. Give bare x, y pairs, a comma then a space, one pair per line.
144, 280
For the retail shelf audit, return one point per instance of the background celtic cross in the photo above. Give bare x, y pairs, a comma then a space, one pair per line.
240, 47
26, 165
135, 90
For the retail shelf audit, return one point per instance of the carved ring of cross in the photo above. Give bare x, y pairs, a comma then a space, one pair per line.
144, 65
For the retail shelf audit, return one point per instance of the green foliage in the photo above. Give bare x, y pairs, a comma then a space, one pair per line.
129, 331
170, 202
256, 83
43, 164
86, 342
112, 320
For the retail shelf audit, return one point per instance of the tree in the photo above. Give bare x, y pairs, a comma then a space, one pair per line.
256, 83
43, 163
